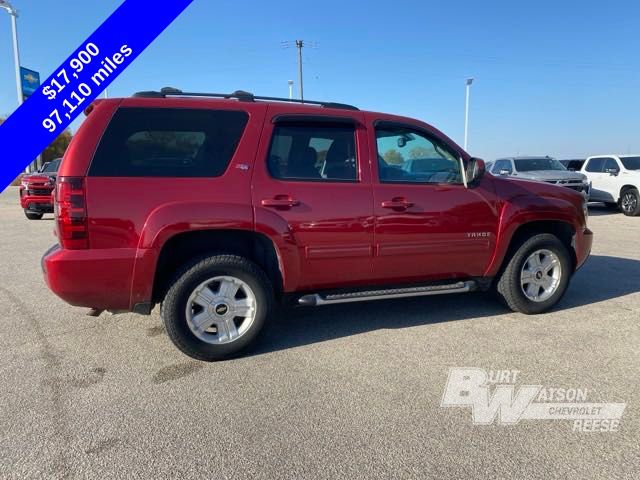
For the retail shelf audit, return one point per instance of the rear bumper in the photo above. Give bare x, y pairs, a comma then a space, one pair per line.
94, 278
582, 245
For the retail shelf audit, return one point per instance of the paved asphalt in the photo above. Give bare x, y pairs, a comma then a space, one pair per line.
347, 391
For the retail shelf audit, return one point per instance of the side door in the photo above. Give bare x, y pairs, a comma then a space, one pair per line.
312, 191
594, 169
611, 183
428, 225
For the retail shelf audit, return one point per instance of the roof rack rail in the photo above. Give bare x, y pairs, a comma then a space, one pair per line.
240, 95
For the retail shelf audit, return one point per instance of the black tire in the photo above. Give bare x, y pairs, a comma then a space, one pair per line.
33, 215
612, 206
194, 274
509, 286
630, 202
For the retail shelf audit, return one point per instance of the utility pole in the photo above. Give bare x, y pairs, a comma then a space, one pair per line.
13, 13
16, 50
300, 46
468, 83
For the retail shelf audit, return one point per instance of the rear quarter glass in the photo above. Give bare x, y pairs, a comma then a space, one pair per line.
168, 142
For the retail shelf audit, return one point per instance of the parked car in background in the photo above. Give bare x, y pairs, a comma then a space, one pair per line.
543, 169
245, 201
36, 190
615, 181
572, 165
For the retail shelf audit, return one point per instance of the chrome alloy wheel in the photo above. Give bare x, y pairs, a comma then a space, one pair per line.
221, 310
541, 275
629, 202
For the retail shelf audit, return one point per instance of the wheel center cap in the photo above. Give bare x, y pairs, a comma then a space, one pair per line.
538, 275
221, 309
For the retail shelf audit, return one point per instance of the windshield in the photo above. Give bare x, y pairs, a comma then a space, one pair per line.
631, 163
51, 167
533, 164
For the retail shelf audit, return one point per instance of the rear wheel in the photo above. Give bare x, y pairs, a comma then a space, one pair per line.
537, 275
217, 307
630, 202
33, 215
612, 206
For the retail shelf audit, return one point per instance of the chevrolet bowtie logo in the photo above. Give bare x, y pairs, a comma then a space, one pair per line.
30, 78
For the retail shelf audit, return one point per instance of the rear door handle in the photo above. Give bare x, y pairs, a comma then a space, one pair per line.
398, 203
280, 201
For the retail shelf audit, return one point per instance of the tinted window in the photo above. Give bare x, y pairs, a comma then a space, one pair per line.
595, 165
611, 164
536, 164
408, 156
631, 163
52, 166
313, 152
162, 142
502, 165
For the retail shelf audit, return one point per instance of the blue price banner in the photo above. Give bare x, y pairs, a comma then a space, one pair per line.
80, 79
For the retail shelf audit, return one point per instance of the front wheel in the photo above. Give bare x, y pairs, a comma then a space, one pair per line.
537, 275
217, 306
33, 215
630, 202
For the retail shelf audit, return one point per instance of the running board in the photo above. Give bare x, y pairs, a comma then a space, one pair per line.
316, 299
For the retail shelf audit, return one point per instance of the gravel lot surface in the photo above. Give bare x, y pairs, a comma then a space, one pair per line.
348, 391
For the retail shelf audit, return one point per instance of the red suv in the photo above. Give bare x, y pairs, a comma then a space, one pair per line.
219, 206
36, 190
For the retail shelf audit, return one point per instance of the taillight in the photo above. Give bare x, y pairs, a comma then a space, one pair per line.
71, 213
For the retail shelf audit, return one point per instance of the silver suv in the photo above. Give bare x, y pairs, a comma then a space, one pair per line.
543, 169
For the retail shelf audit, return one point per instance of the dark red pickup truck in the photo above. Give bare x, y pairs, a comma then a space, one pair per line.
217, 208
36, 190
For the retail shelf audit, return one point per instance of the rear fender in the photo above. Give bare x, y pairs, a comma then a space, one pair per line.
162, 224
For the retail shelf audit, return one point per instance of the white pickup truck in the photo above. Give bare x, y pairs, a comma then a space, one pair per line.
615, 180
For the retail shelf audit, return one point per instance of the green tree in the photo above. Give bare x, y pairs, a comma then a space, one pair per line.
421, 152
57, 148
393, 157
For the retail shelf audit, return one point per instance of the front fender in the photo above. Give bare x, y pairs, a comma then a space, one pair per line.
525, 209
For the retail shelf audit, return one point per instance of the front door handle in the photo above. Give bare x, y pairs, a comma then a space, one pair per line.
397, 203
280, 201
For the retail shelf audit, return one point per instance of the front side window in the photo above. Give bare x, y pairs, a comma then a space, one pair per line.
596, 165
168, 142
408, 156
313, 153
502, 165
611, 164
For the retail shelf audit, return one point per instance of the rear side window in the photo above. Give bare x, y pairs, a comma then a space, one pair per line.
168, 142
595, 165
313, 153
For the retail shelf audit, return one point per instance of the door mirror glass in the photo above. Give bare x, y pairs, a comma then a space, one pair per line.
612, 171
